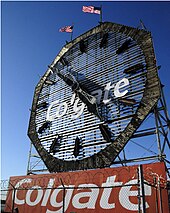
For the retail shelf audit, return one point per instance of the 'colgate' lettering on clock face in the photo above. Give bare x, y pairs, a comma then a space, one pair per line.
61, 108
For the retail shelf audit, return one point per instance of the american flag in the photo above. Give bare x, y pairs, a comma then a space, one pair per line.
67, 29
91, 9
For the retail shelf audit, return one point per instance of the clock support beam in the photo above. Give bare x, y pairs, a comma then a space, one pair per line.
35, 164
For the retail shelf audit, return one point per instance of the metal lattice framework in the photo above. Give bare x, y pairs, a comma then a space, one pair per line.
107, 53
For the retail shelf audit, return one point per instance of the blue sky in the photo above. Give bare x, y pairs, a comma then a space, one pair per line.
30, 41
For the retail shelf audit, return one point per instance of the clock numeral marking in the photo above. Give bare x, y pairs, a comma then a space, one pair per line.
124, 47
77, 147
44, 127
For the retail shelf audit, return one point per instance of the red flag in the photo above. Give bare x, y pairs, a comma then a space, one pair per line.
91, 9
67, 29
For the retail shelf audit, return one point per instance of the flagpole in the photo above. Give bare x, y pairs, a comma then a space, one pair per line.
71, 35
72, 32
101, 14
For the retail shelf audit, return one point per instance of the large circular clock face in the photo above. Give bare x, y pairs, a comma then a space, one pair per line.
93, 97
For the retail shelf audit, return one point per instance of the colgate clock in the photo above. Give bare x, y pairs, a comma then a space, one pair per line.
93, 97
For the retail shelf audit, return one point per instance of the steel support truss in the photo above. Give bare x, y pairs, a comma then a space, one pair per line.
158, 134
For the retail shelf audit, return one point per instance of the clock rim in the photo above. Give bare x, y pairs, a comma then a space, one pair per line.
151, 95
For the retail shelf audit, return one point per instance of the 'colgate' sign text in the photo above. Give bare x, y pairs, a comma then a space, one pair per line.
102, 190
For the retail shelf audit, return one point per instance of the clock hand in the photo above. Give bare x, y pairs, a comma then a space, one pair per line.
84, 96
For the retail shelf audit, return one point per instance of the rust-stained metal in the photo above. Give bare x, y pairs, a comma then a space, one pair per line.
150, 96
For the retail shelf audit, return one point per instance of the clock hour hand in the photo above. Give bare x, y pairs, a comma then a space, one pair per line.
84, 96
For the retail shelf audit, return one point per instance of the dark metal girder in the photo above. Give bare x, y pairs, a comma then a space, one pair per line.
132, 160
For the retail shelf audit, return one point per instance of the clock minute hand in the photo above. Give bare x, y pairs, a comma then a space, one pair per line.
84, 96
89, 100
